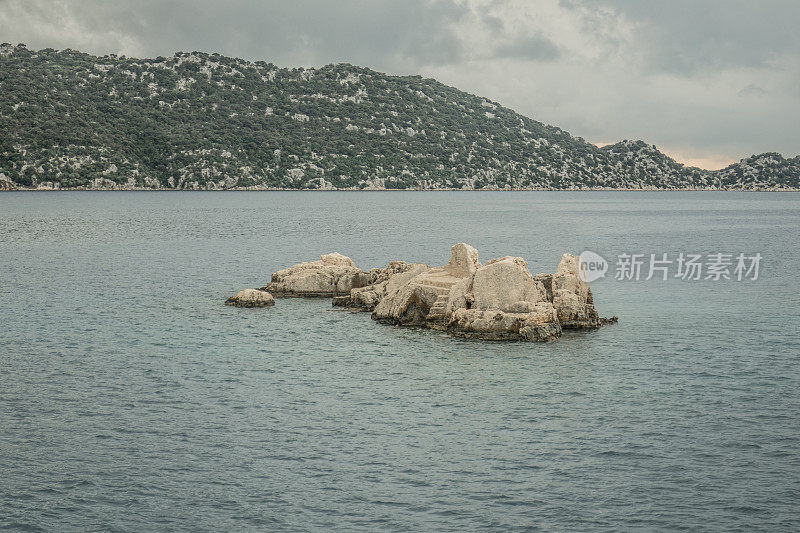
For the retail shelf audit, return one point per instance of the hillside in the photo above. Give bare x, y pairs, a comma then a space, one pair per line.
204, 121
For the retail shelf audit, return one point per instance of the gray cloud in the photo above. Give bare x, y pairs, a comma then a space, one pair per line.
308, 32
533, 47
712, 80
687, 36
494, 23
752, 90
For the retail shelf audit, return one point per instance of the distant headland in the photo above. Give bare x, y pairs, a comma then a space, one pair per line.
198, 121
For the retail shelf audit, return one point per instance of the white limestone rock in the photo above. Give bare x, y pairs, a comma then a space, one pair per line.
502, 301
5, 183
463, 260
538, 323
251, 298
332, 275
498, 301
383, 281
572, 297
409, 305
460, 296
504, 282
421, 299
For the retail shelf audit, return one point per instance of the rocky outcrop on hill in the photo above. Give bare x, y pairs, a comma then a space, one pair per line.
6, 184
251, 298
331, 275
769, 171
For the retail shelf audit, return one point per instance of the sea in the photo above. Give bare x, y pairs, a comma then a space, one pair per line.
133, 399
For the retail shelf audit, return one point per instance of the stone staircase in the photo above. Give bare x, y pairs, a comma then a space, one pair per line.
442, 284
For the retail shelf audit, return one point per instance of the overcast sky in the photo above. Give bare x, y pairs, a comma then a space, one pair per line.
708, 81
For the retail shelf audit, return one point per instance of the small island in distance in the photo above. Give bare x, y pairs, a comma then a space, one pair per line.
198, 121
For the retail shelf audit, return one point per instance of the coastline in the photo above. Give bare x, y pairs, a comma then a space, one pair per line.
271, 189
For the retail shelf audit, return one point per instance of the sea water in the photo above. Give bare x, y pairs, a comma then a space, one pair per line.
132, 399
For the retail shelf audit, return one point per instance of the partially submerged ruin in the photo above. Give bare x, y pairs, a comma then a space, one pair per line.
500, 300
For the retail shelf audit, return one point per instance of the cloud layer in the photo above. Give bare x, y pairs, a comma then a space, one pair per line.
708, 82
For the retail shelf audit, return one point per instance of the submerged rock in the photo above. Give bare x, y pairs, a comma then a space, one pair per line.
251, 298
332, 275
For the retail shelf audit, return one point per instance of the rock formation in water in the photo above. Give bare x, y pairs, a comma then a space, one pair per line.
497, 301
422, 299
500, 300
572, 297
382, 282
251, 298
332, 275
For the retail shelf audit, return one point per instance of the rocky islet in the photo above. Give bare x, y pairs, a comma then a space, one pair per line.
500, 300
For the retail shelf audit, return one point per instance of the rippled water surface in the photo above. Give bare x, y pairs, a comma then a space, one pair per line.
132, 399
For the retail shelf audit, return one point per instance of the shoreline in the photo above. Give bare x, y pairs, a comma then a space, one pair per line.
599, 189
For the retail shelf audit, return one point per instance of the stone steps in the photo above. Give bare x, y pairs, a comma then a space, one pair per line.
441, 286
438, 310
441, 291
444, 283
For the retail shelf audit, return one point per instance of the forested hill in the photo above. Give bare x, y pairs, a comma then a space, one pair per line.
204, 121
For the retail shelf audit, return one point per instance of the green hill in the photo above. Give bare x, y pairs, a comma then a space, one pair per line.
205, 121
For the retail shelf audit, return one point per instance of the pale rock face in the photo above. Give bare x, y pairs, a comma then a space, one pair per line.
251, 298
572, 297
460, 296
539, 324
399, 279
409, 304
337, 259
332, 275
384, 281
502, 301
547, 283
414, 299
5, 183
568, 305
567, 278
498, 301
463, 261
505, 284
